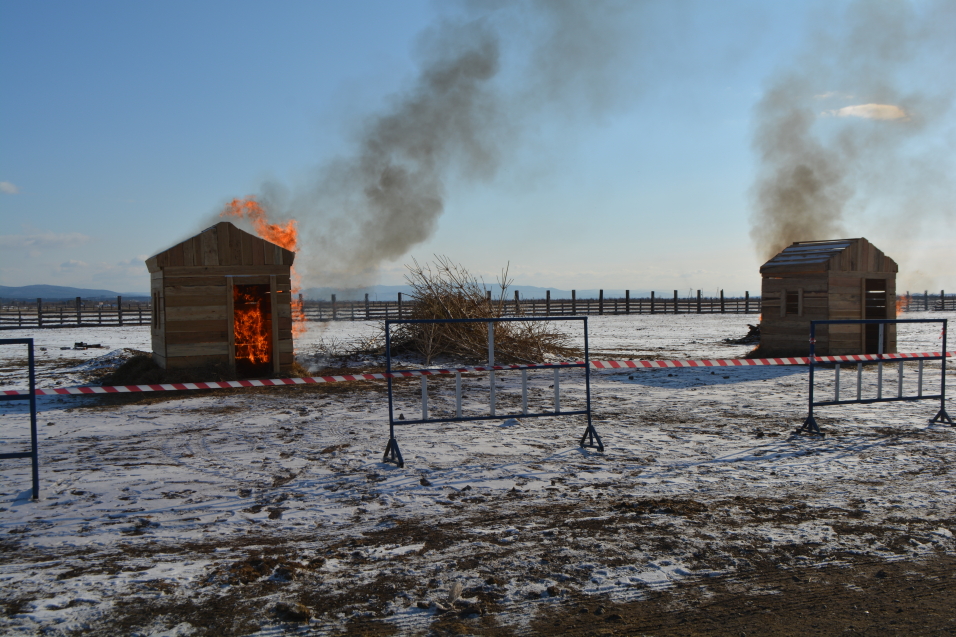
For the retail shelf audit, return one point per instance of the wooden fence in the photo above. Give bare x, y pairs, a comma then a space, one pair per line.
79, 313
401, 308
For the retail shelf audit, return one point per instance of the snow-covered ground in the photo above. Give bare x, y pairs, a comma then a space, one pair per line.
198, 514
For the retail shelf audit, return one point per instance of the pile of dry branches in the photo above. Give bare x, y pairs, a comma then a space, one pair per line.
445, 290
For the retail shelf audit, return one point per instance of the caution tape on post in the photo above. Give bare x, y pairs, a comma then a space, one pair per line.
596, 365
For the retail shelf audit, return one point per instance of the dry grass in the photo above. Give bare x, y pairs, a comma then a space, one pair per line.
445, 290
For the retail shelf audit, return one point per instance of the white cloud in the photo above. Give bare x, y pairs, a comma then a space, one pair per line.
42, 240
8, 188
870, 111
72, 264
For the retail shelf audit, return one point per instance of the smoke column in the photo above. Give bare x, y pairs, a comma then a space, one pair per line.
456, 120
852, 137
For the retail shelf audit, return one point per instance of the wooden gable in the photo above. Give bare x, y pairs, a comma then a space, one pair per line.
218, 246
838, 255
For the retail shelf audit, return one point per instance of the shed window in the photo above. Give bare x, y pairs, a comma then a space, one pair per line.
793, 303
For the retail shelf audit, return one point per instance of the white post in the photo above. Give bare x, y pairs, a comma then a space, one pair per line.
836, 388
919, 379
879, 366
859, 380
557, 392
458, 394
491, 361
899, 382
424, 397
524, 391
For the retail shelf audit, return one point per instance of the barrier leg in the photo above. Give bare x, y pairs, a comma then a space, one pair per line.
393, 454
591, 438
943, 418
810, 426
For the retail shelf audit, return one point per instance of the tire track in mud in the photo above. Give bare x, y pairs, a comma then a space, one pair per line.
193, 452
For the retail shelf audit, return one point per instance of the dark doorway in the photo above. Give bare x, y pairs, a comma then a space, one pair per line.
874, 308
252, 316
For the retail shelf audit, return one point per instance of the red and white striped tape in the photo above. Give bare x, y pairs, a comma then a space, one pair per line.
313, 380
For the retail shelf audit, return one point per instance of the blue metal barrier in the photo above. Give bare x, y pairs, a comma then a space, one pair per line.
32, 454
589, 439
810, 424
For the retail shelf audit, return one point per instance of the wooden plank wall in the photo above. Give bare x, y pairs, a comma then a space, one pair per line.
787, 334
196, 319
847, 302
863, 256
197, 312
157, 326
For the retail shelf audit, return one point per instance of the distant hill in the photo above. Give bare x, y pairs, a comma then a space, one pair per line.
53, 292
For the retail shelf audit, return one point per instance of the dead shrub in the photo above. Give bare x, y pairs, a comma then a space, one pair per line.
446, 290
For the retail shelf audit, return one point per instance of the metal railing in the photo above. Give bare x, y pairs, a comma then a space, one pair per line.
589, 439
811, 426
33, 453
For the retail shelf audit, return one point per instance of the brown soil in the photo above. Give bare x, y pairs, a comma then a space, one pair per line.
865, 597
773, 591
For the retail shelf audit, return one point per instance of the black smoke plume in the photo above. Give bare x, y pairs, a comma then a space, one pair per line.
850, 138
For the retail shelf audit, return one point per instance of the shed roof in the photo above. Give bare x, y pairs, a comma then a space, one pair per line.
837, 254
221, 245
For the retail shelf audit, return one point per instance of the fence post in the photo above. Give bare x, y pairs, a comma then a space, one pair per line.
352, 310
747, 302
79, 321
334, 309
925, 300
721, 301
574, 302
675, 302
627, 301
517, 304
652, 301
119, 309
698, 301
600, 301
39, 312
547, 303
942, 300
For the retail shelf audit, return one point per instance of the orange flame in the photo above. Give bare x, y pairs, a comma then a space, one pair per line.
285, 236
902, 302
253, 327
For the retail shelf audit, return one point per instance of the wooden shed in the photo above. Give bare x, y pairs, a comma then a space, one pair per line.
827, 280
223, 297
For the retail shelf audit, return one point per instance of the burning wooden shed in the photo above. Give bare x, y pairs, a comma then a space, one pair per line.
827, 280
223, 297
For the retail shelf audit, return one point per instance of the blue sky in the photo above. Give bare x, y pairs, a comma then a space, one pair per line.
125, 127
